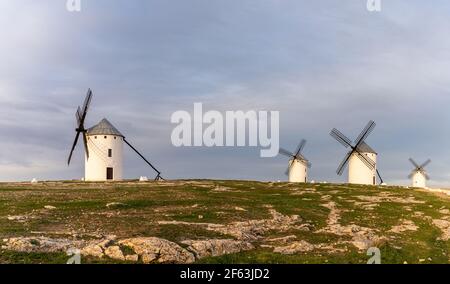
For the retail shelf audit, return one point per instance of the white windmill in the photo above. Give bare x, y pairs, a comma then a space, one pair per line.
298, 165
362, 159
103, 145
418, 175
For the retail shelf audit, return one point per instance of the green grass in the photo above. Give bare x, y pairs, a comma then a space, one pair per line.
81, 208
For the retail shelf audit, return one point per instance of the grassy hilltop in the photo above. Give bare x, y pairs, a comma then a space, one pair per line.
206, 221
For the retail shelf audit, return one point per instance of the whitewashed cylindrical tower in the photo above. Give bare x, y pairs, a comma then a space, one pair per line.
105, 144
419, 180
298, 171
358, 171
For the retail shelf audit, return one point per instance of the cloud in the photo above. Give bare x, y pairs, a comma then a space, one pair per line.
321, 64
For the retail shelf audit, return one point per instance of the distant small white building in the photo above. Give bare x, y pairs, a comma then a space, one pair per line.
105, 144
358, 171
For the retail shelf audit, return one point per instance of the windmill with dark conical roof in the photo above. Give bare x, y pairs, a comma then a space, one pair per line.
103, 144
361, 159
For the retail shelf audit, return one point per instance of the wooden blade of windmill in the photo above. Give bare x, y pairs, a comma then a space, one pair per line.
285, 152
366, 160
78, 116
86, 104
87, 101
73, 147
365, 133
414, 163
411, 175
303, 160
300, 147
341, 138
301, 157
344, 163
426, 176
425, 164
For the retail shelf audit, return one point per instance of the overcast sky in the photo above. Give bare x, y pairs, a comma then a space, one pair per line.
321, 63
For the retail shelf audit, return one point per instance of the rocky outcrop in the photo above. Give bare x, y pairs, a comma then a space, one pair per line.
362, 237
97, 248
253, 229
444, 226
148, 249
406, 225
93, 250
114, 252
216, 247
283, 239
295, 247
158, 250
40, 244
389, 198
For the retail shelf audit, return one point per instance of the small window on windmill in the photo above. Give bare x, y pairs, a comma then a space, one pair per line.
109, 153
104, 137
95, 137
115, 137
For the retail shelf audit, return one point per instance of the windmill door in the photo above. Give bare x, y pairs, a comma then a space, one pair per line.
109, 173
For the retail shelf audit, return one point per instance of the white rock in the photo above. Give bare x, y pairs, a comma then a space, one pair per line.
239, 209
217, 247
17, 218
142, 179
115, 204
92, 250
133, 257
158, 250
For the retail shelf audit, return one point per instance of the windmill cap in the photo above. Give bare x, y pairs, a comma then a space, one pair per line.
364, 148
104, 127
300, 158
